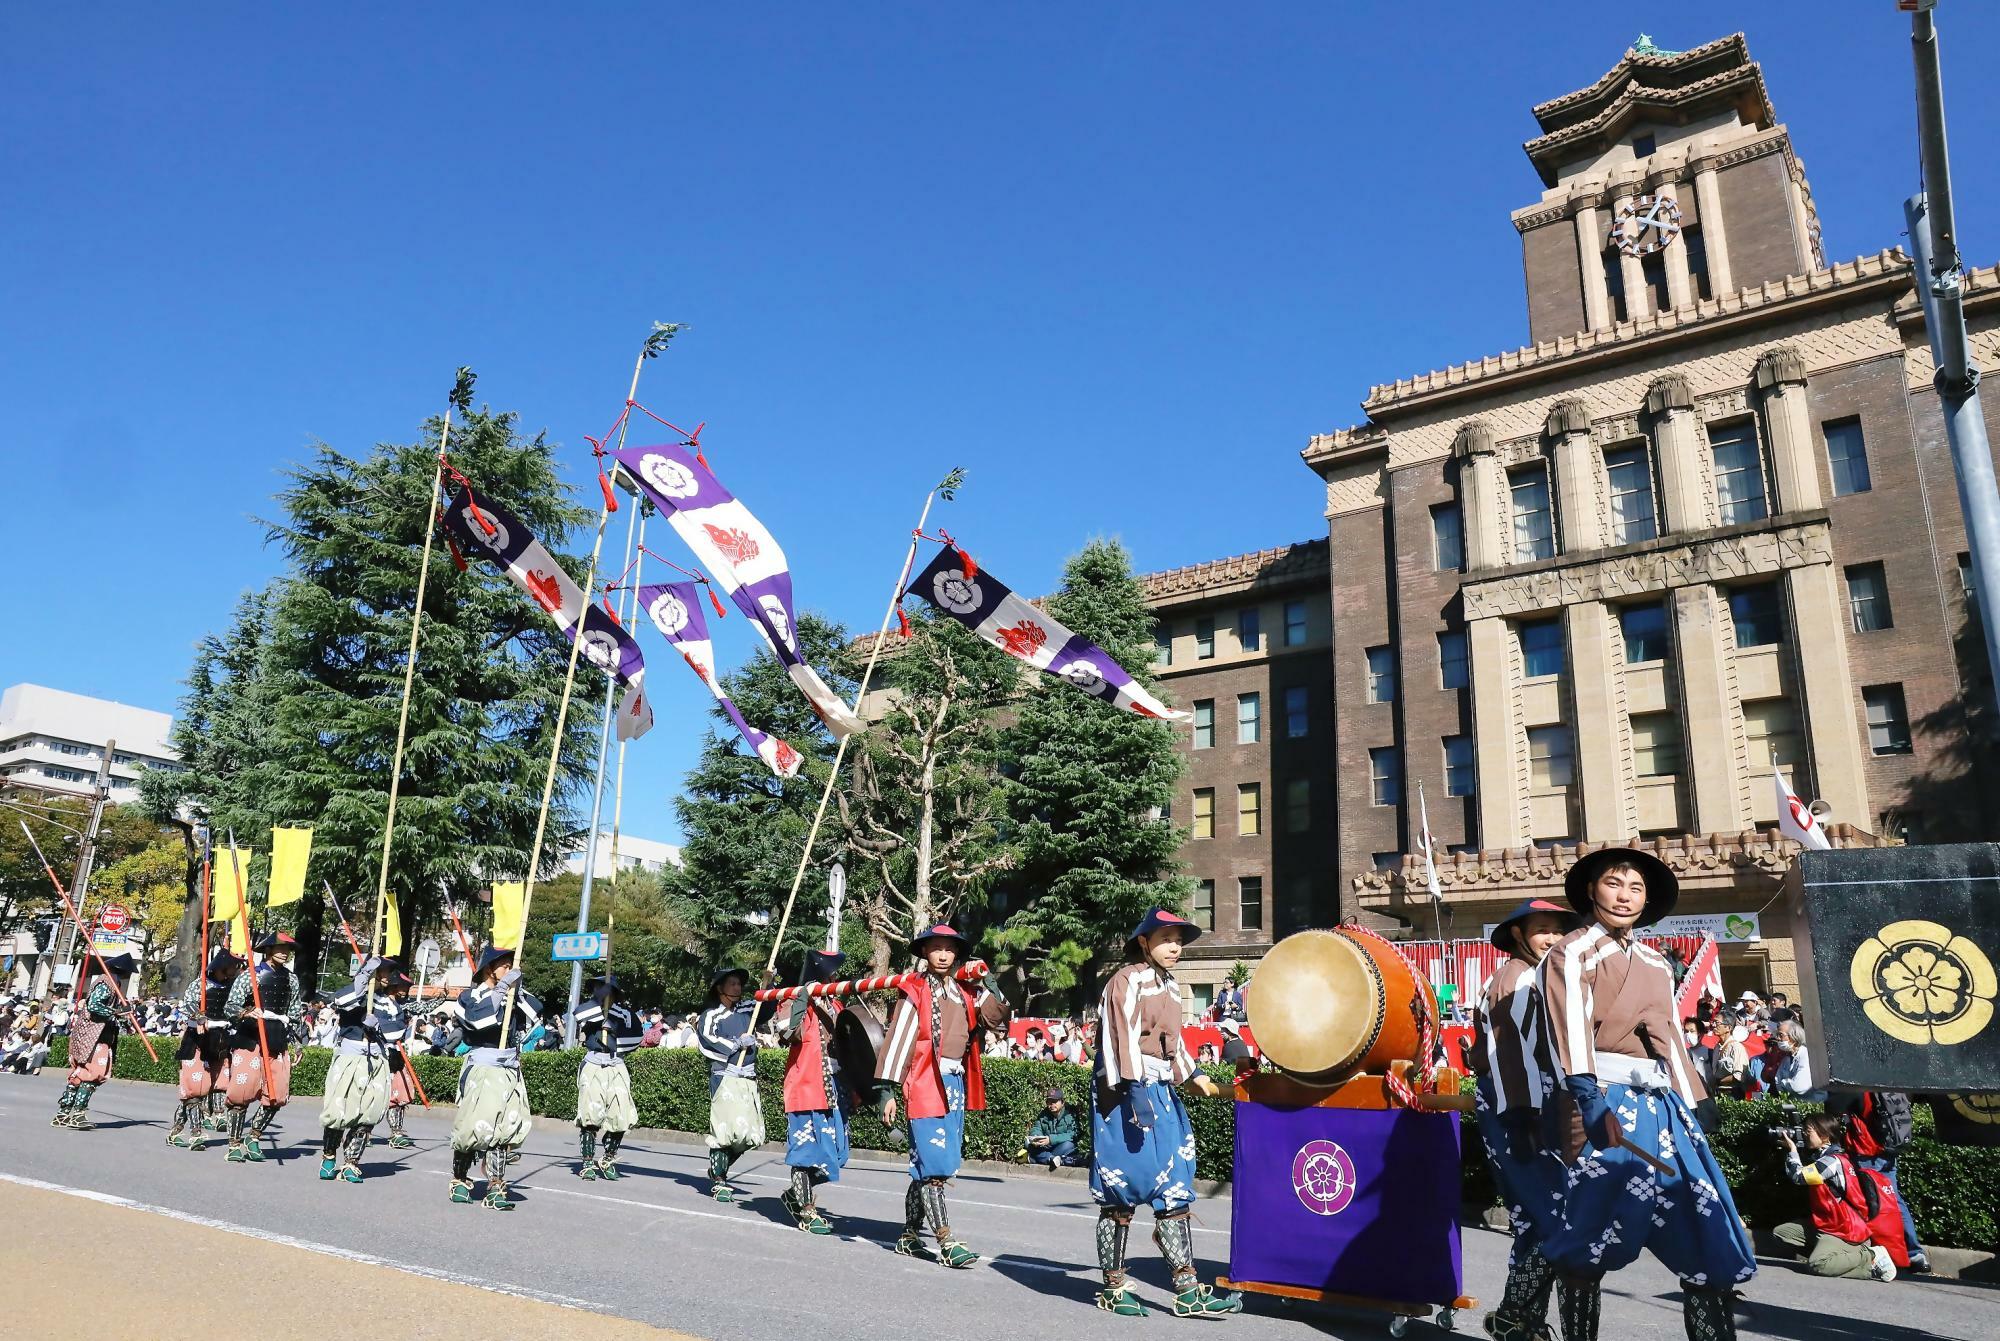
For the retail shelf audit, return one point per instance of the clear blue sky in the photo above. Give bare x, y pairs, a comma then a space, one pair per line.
1117, 260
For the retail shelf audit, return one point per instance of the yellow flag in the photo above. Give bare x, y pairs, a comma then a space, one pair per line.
229, 883
239, 938
290, 850
507, 898
392, 928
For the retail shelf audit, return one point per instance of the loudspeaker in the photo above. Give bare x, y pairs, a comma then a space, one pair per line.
1897, 950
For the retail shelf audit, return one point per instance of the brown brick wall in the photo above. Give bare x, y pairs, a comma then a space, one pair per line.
1427, 605
1362, 613
1757, 216
1555, 284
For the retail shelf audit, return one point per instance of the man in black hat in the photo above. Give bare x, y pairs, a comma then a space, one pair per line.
817, 1097
493, 1117
93, 1041
1517, 1094
204, 1047
607, 1030
726, 1036
268, 1011
1617, 1043
356, 1096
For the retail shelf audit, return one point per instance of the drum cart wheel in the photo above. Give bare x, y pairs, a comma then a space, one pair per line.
1447, 1318
1398, 1325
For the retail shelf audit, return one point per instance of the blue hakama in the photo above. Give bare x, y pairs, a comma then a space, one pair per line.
818, 1141
1134, 1166
937, 1145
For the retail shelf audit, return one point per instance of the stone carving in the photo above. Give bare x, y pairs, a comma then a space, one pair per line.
1723, 405
1615, 429
1778, 366
1474, 438
1716, 858
1566, 417
1669, 391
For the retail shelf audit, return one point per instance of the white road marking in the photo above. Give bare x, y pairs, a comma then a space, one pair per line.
323, 1249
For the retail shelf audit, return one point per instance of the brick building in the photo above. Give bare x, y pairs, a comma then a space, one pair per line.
1705, 527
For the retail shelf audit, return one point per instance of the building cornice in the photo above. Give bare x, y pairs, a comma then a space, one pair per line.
1667, 170
1286, 565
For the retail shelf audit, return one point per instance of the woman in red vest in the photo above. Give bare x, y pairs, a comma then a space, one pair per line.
1843, 1242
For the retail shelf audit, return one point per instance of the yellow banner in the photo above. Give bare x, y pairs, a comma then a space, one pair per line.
229, 882
239, 938
507, 898
392, 929
291, 849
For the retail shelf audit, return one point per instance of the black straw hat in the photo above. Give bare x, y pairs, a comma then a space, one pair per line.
1502, 937
1663, 889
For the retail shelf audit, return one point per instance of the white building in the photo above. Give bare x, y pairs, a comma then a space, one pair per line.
634, 854
52, 738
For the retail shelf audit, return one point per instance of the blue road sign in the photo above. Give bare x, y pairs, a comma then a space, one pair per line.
581, 945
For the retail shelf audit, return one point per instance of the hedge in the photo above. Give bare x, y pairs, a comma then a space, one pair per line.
1953, 1190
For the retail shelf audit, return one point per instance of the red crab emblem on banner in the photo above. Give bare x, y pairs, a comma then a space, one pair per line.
544, 588
736, 546
787, 757
1022, 639
698, 669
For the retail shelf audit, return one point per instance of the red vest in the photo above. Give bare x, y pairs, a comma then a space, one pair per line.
805, 1076
923, 1082
1836, 1215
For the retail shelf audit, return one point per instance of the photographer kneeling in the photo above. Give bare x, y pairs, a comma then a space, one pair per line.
1844, 1234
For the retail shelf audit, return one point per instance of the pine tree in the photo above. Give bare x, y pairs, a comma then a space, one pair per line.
1086, 784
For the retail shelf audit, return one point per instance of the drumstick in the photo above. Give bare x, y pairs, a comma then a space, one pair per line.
971, 972
1620, 1139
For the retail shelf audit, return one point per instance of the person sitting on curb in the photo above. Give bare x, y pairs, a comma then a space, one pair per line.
1052, 1135
1840, 1243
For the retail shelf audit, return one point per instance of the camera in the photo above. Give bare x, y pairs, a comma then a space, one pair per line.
1788, 1125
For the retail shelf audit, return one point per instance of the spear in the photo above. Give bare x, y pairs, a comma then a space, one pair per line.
355, 946
250, 953
90, 952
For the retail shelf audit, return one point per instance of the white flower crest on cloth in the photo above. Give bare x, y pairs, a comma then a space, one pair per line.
669, 476
956, 592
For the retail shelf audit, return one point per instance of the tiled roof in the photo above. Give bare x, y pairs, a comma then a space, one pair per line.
1570, 106
1302, 559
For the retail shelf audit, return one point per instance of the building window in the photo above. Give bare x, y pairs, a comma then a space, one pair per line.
1966, 582
1298, 805
1644, 628
1249, 809
1458, 780
1249, 718
1204, 904
1204, 638
1888, 720
1534, 529
1614, 283
1381, 675
1772, 728
1653, 266
1249, 630
1549, 761
1631, 472
1298, 717
1696, 247
1385, 862
1739, 473
1204, 812
1250, 902
1163, 645
1847, 454
1541, 648
1447, 537
1758, 614
1656, 744
1204, 723
1385, 777
1644, 146
1295, 623
1868, 598
1453, 670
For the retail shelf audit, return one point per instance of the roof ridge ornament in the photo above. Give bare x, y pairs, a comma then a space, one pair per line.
1645, 47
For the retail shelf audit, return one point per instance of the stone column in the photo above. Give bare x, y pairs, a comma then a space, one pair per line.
1680, 285
1638, 299
1499, 742
1781, 377
1684, 498
1601, 779
1708, 195
1577, 465
1833, 723
1590, 257
1707, 712
1481, 489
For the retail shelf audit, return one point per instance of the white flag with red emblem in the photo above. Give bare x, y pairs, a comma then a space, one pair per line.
1795, 821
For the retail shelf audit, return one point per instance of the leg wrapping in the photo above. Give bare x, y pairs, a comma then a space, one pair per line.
612, 1140
236, 1117
461, 1164
396, 1122
934, 1208
329, 1142
1175, 1235
913, 1208
1579, 1301
1708, 1315
1530, 1279
357, 1144
586, 1143
1114, 1228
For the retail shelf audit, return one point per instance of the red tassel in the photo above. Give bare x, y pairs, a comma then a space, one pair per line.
486, 523
609, 611
456, 557
965, 562
716, 601
904, 621
610, 498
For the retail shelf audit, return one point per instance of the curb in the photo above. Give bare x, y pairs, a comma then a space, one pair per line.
1967, 1264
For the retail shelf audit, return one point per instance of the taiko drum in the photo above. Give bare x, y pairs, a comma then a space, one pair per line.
1326, 1005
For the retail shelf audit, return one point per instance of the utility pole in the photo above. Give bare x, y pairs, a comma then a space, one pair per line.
1940, 282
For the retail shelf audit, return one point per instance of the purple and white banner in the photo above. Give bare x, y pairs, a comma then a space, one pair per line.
677, 613
990, 609
530, 566
743, 556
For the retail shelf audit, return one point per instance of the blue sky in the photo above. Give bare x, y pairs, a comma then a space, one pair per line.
1119, 261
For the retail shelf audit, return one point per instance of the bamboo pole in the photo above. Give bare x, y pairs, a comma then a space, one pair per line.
355, 947
90, 951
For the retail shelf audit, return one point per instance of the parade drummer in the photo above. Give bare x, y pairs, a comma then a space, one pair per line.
1517, 1097
1617, 1043
725, 1034
933, 1053
269, 1020
204, 1047
1142, 1139
93, 1042
818, 1101
356, 1096
493, 1117
607, 1030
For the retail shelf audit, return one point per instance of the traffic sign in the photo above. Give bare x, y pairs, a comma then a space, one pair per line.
112, 918
581, 945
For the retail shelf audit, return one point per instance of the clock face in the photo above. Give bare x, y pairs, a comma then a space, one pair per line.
1645, 224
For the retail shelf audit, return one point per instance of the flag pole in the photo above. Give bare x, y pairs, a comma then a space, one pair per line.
461, 399
355, 946
655, 344
947, 487
250, 957
90, 950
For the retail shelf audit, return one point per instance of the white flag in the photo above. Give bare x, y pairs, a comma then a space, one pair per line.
1795, 821
1430, 863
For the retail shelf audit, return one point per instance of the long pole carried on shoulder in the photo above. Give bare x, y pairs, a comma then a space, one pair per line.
250, 954
355, 946
89, 953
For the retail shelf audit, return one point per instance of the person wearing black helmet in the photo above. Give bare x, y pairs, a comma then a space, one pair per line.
607, 1030
356, 1096
1617, 1043
493, 1116
272, 1017
204, 1047
1517, 1095
726, 1036
817, 1097
93, 1041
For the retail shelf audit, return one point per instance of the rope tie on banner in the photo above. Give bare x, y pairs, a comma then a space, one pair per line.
714, 601
486, 523
688, 439
965, 562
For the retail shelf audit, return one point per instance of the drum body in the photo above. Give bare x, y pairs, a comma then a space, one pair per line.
1329, 1004
857, 1040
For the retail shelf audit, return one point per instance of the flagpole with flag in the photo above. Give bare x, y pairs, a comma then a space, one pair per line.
1430, 864
1796, 820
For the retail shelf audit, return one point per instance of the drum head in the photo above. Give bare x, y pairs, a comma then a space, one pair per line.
1315, 1005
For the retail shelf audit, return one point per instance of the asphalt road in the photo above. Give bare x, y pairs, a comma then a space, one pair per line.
654, 1249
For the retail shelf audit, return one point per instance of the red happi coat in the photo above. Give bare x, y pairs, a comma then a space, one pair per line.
923, 1082
805, 1066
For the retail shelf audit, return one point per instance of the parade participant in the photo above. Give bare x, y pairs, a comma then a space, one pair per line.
735, 1113
1142, 1140
93, 1042
933, 1052
402, 1083
204, 1047
1618, 1047
817, 1100
1517, 1104
607, 1029
357, 1080
493, 1116
263, 1036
